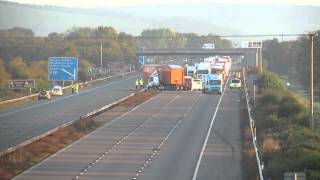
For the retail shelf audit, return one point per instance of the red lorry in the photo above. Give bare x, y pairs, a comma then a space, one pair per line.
149, 69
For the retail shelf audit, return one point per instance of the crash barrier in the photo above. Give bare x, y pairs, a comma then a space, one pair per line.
88, 115
68, 87
253, 128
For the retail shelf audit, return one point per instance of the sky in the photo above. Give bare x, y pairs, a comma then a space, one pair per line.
117, 3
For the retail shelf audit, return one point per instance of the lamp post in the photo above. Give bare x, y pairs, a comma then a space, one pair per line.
311, 35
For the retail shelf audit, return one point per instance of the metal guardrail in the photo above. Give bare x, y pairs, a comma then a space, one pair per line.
254, 138
90, 114
66, 87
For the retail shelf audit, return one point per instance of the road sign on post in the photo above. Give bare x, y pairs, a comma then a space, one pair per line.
141, 58
63, 68
21, 83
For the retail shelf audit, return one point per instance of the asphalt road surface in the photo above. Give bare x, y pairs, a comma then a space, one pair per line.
25, 122
162, 138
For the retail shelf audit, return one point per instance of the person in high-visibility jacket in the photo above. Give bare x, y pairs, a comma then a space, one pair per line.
72, 88
137, 84
141, 83
76, 89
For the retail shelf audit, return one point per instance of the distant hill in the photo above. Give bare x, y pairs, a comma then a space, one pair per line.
46, 19
246, 18
224, 19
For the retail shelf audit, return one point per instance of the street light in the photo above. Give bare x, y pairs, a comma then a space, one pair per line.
311, 35
101, 55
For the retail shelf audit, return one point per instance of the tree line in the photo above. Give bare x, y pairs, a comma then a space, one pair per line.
292, 59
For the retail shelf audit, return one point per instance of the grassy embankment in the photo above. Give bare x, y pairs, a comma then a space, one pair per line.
285, 141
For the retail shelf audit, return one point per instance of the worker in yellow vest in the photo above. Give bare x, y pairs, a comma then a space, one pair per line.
137, 84
141, 83
76, 88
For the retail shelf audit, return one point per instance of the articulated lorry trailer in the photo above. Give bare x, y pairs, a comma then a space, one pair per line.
168, 77
222, 66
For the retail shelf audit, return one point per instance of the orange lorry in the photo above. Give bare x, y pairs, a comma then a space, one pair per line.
172, 77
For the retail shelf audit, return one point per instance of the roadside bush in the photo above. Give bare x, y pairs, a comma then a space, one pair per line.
281, 118
269, 80
289, 107
270, 97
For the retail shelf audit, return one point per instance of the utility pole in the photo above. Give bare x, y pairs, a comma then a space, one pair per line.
101, 55
260, 58
311, 35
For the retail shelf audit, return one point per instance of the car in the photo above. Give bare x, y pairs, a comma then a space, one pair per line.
44, 94
235, 83
56, 91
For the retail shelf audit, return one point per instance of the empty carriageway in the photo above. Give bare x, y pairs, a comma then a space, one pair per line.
120, 148
159, 139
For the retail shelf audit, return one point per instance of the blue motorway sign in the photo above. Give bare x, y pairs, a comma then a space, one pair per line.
141, 60
63, 68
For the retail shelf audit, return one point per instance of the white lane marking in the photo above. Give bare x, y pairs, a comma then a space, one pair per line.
195, 173
61, 98
77, 141
166, 138
142, 124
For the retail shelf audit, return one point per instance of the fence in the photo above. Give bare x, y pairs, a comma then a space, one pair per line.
66, 87
252, 127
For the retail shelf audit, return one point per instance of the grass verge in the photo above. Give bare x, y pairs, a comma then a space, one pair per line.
249, 162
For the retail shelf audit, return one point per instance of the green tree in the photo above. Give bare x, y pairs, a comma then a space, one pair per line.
83, 73
106, 33
128, 53
19, 69
39, 71
69, 50
160, 38
5, 77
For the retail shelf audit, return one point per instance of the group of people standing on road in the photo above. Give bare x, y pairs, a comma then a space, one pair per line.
139, 84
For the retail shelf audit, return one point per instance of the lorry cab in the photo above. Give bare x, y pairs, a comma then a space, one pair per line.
213, 83
203, 69
153, 81
190, 71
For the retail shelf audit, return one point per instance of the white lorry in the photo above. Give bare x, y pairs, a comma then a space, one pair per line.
202, 70
190, 71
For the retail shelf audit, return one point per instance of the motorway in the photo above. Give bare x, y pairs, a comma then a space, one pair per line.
25, 122
174, 135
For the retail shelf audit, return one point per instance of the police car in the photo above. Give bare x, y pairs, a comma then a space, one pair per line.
57, 91
235, 83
